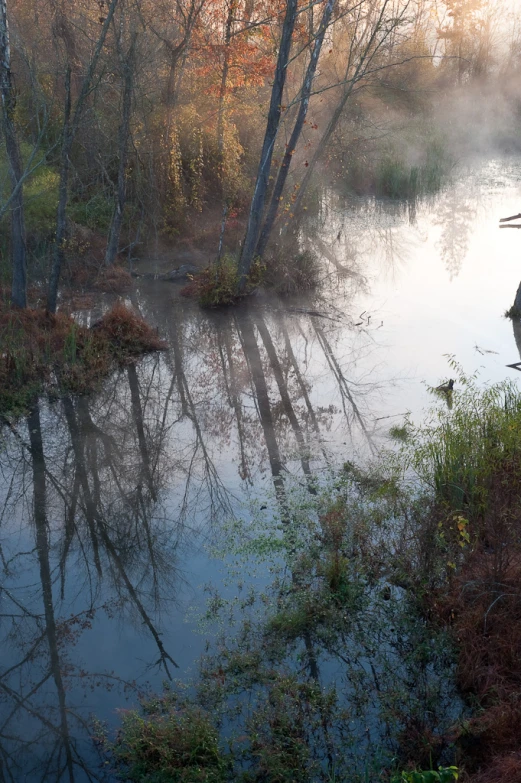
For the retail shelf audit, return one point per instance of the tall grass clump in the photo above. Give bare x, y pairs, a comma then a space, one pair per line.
217, 285
467, 452
290, 272
164, 743
470, 457
397, 179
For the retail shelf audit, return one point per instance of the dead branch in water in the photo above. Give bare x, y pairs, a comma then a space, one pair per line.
508, 219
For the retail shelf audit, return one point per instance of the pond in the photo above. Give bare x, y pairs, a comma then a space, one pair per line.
115, 508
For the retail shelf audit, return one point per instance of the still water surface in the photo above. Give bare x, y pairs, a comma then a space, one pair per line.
111, 504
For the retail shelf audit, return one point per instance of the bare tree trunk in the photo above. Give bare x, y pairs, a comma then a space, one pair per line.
365, 58
224, 78
124, 134
517, 300
42, 547
272, 126
63, 193
286, 400
260, 389
18, 250
137, 414
297, 130
70, 127
78, 450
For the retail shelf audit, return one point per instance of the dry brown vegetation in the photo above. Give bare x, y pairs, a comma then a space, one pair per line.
39, 351
113, 280
480, 461
127, 332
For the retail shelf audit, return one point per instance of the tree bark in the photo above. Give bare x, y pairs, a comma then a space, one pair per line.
517, 300
124, 134
18, 248
272, 126
63, 193
224, 79
365, 59
297, 130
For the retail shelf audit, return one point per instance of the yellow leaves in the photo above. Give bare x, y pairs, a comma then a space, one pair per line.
462, 527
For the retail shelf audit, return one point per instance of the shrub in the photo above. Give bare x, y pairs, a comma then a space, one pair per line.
33, 343
128, 333
168, 746
39, 350
113, 280
216, 286
471, 456
94, 213
289, 273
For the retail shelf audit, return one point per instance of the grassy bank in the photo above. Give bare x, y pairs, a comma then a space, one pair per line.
43, 352
384, 640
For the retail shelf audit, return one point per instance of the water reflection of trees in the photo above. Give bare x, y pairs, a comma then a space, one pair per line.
455, 213
104, 498
80, 540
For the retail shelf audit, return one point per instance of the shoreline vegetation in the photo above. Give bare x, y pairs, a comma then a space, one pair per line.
403, 577
41, 352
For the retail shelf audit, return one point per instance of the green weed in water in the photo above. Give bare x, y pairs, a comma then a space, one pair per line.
217, 285
442, 775
168, 744
397, 179
400, 433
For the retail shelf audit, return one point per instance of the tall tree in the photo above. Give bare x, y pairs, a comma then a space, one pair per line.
127, 61
14, 159
297, 129
272, 126
373, 26
71, 123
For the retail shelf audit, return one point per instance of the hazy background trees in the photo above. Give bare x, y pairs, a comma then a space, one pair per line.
133, 121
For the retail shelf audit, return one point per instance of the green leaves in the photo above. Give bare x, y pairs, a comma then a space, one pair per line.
443, 775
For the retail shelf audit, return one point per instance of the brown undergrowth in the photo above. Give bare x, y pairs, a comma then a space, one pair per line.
40, 351
482, 601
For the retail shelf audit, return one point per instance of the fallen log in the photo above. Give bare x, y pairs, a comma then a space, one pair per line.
181, 273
